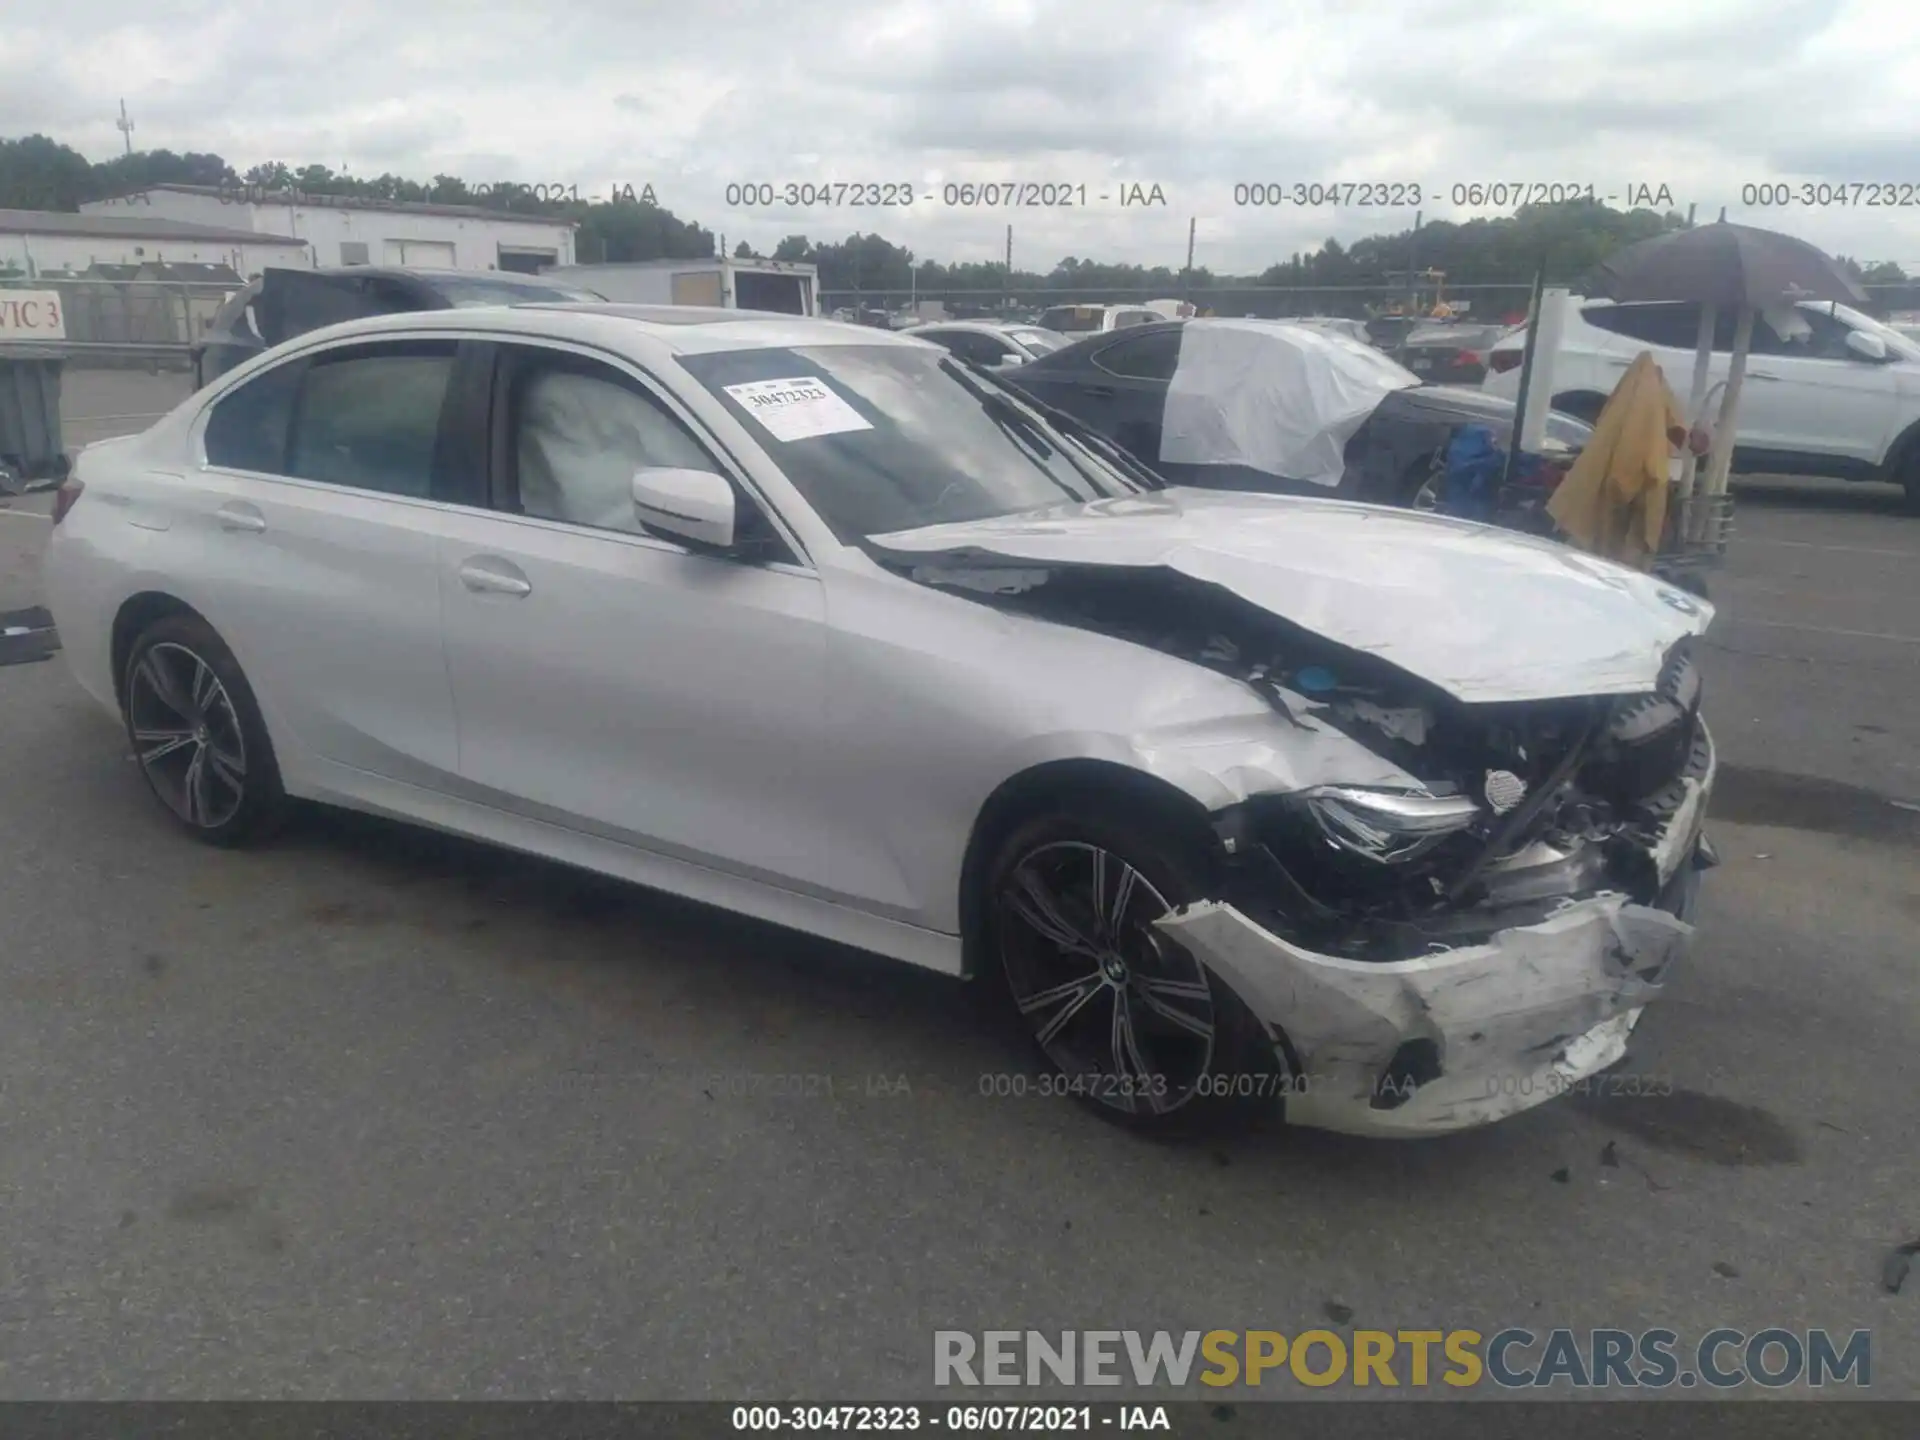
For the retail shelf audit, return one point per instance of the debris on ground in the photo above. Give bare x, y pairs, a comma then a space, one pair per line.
1893, 1274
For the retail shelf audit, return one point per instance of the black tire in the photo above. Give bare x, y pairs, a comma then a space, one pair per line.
197, 735
1169, 1081
1912, 485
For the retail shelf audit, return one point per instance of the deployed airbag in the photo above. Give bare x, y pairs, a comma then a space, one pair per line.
1282, 399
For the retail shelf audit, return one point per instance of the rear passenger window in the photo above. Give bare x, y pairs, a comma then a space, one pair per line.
369, 417
1142, 357
248, 429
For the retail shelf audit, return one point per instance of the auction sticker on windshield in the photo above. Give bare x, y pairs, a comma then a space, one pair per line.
798, 408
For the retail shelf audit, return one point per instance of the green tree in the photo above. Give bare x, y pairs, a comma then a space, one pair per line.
126, 174
37, 173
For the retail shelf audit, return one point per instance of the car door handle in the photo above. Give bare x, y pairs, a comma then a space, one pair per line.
1100, 392
240, 516
494, 577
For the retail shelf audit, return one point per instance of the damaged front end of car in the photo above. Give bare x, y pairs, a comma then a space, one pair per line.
1434, 960
1439, 954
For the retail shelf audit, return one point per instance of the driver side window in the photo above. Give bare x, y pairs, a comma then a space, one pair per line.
576, 433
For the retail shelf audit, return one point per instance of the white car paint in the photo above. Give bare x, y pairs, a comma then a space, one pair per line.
1569, 623
1817, 406
810, 741
1570, 988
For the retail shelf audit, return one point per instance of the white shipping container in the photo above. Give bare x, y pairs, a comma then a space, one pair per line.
786, 287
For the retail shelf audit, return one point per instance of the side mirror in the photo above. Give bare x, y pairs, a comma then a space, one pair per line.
1867, 347
691, 505
1012, 360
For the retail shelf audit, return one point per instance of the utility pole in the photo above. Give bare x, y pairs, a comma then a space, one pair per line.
1193, 222
125, 126
1413, 271
1006, 296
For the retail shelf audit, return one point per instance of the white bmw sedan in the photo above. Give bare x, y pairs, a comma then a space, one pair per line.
1244, 801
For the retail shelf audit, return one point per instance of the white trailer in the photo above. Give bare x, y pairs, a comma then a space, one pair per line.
785, 287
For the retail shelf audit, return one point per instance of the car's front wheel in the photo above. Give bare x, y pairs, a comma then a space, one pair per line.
1125, 1019
197, 733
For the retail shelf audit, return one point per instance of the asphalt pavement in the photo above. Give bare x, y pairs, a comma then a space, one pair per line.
375, 1113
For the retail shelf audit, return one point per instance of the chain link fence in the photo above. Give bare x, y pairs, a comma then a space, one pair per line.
1490, 303
130, 324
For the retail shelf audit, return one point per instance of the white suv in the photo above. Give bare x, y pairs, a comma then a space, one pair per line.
1843, 399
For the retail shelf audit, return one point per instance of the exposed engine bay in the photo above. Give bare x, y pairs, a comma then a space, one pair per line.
1568, 798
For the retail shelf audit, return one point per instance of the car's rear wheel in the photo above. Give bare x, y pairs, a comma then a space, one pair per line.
197, 734
1125, 1019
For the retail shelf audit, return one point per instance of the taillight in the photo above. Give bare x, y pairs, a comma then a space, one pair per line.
1468, 357
64, 497
1501, 361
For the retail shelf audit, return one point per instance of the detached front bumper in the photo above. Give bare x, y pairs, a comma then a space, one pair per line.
1458, 1038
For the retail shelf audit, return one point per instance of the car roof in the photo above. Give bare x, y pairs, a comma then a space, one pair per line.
682, 329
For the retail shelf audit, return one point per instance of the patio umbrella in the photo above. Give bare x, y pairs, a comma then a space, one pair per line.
1728, 267
1723, 266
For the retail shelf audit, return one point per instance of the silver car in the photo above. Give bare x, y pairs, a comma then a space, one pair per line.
1241, 801
997, 345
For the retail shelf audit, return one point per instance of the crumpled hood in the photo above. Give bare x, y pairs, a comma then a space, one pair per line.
1483, 614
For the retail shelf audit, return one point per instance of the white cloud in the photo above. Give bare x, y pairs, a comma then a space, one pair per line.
1701, 97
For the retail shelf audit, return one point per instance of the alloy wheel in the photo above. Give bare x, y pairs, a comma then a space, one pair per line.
1126, 1015
186, 735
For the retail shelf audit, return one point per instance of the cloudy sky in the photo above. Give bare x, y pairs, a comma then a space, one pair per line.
1701, 96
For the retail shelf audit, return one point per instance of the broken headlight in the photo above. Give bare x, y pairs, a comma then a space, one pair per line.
1387, 825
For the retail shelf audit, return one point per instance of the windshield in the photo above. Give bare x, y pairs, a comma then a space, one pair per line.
1568, 430
462, 292
879, 438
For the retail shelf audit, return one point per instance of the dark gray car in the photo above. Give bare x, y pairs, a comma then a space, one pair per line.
283, 303
1117, 383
